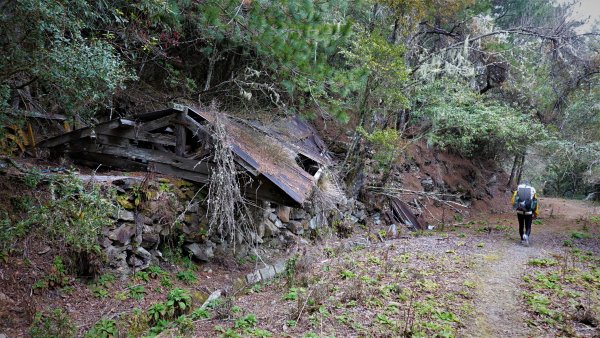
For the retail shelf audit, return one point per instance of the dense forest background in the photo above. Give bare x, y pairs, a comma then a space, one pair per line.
515, 81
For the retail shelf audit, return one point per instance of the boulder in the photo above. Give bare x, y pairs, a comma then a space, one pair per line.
360, 214
105, 242
283, 213
427, 184
124, 215
191, 219
253, 277
270, 229
140, 259
117, 259
317, 222
280, 266
123, 233
150, 240
272, 217
295, 227
267, 273
202, 252
298, 214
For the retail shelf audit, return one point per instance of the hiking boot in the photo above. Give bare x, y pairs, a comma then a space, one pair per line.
525, 240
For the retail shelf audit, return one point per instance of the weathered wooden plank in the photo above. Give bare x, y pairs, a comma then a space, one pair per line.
195, 127
135, 135
170, 170
180, 133
145, 155
111, 140
68, 137
92, 159
79, 133
158, 123
202, 167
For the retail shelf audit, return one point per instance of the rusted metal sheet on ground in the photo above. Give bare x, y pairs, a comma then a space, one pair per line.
279, 160
400, 212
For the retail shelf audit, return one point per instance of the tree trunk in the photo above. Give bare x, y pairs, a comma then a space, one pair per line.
211, 67
521, 165
513, 171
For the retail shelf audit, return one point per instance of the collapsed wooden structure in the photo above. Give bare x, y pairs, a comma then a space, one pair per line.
279, 162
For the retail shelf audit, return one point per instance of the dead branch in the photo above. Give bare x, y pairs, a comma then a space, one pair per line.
394, 192
227, 211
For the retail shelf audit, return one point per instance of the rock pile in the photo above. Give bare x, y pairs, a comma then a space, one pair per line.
168, 214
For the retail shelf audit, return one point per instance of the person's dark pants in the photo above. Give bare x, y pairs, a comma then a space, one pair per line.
524, 222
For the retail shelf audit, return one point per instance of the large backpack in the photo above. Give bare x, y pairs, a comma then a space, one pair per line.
524, 198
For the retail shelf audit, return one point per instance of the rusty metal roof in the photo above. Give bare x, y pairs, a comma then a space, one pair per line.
272, 151
270, 154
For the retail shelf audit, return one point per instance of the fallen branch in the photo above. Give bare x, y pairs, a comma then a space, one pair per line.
394, 192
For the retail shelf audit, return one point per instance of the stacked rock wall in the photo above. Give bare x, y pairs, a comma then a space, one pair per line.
168, 215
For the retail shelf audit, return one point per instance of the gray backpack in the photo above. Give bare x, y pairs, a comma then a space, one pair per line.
524, 198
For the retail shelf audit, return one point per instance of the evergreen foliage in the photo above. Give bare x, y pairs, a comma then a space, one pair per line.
482, 77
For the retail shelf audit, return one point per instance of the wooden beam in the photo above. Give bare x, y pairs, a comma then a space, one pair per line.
68, 137
145, 155
135, 135
81, 133
158, 123
194, 126
170, 170
93, 159
180, 133
112, 140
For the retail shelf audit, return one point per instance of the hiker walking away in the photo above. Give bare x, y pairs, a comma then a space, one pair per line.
524, 201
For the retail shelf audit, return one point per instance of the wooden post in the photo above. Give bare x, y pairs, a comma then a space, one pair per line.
180, 133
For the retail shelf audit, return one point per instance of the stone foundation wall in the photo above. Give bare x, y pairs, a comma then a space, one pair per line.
168, 214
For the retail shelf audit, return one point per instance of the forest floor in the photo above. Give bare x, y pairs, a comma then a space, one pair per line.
472, 278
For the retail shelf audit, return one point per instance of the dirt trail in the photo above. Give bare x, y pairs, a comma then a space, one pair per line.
497, 300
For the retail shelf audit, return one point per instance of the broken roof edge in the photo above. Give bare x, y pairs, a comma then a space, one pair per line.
291, 179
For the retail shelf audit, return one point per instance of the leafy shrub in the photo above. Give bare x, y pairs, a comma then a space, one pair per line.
347, 274
245, 322
179, 302
9, 232
141, 276
57, 277
53, 323
136, 291
99, 292
200, 314
155, 272
104, 328
136, 322
292, 294
166, 282
462, 121
157, 311
159, 327
187, 276
385, 143
579, 235
105, 279
185, 324
74, 214
542, 262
